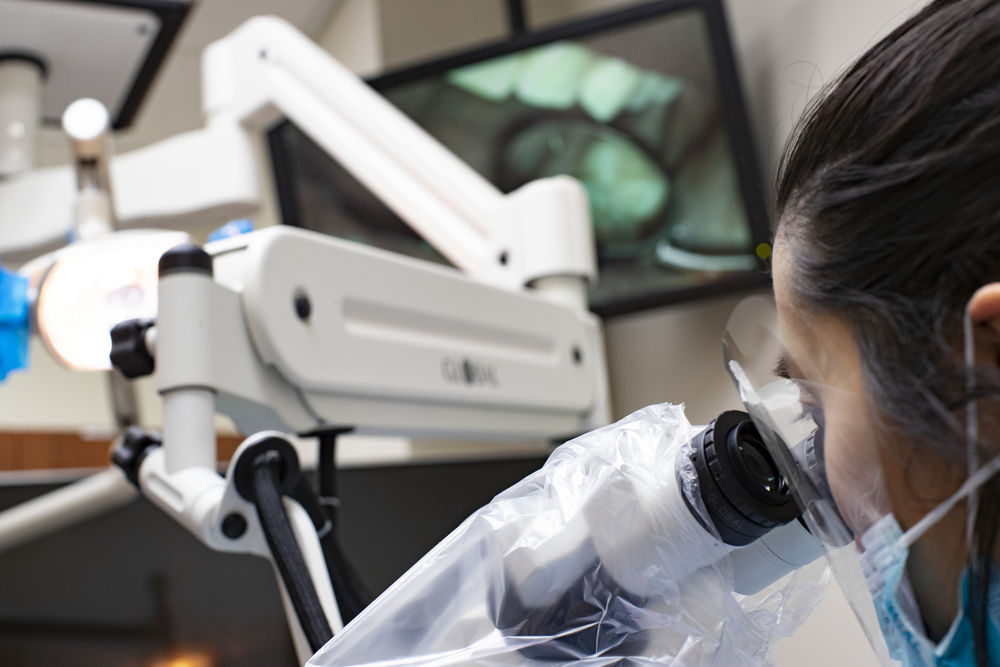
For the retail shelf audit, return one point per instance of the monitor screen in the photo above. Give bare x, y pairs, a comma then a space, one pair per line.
643, 107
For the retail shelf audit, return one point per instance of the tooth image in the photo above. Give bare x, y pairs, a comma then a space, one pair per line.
608, 87
654, 89
493, 79
553, 74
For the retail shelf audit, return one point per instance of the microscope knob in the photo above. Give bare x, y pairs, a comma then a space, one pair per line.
130, 451
129, 353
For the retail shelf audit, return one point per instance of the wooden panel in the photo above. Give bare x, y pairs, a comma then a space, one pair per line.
36, 450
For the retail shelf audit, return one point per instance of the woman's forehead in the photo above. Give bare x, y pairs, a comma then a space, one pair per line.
793, 324
816, 346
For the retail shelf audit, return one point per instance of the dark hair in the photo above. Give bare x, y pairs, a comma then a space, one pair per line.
889, 200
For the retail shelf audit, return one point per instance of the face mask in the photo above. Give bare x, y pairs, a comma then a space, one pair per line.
883, 564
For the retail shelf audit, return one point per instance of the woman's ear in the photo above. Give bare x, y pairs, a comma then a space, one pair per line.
984, 306
984, 310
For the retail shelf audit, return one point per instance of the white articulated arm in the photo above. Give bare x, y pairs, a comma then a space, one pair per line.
201, 501
266, 69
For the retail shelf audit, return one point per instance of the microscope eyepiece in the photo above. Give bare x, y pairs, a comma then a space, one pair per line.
738, 481
754, 465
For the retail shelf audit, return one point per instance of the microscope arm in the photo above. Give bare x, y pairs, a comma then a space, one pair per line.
292, 330
265, 70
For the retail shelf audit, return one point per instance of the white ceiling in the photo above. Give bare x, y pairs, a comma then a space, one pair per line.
173, 104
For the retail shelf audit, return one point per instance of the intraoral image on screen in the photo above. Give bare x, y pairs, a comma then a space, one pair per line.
632, 112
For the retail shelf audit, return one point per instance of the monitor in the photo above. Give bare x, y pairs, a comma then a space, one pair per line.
643, 106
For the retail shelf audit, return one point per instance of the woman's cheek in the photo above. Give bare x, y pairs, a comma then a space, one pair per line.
854, 471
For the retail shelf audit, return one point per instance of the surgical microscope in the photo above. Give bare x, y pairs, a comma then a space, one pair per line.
292, 333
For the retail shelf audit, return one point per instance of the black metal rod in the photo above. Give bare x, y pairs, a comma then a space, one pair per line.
328, 496
515, 17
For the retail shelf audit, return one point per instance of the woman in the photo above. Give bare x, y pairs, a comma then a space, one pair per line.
887, 239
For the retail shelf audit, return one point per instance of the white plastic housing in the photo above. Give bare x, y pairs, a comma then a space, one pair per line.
20, 113
390, 345
769, 558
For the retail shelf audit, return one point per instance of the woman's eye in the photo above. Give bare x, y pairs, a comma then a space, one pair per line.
811, 412
811, 407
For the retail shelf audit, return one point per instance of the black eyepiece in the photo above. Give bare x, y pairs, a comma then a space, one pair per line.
740, 484
754, 465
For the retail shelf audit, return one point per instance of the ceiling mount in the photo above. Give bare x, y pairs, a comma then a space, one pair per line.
110, 50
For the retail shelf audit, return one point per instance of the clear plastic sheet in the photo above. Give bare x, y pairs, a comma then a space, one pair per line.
600, 557
808, 448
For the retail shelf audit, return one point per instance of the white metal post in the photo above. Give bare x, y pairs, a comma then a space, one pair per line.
184, 362
87, 125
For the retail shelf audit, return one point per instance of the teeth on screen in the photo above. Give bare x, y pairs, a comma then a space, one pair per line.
608, 87
654, 89
552, 75
493, 80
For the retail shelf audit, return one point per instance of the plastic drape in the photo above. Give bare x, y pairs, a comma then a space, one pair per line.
600, 557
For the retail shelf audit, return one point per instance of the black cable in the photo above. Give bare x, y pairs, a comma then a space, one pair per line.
285, 550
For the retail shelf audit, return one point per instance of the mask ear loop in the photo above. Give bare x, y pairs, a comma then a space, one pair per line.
971, 426
971, 486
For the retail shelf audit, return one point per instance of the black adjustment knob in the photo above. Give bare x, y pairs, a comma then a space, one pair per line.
128, 348
130, 452
234, 525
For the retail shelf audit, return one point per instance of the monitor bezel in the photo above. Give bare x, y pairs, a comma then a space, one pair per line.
732, 106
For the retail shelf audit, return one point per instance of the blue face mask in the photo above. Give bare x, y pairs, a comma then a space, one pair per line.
884, 565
